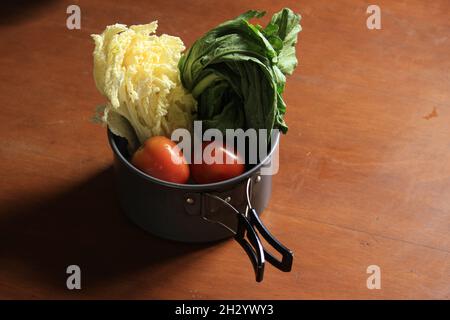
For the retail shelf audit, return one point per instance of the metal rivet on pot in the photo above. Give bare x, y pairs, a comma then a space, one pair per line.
258, 179
228, 199
190, 200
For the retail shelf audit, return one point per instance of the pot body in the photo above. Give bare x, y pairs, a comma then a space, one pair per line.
177, 212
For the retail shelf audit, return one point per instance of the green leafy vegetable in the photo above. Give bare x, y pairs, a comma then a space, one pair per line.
237, 71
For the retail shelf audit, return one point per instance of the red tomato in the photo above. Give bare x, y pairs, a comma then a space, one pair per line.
161, 158
209, 171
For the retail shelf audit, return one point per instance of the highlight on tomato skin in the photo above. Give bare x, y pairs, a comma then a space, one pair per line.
208, 171
161, 158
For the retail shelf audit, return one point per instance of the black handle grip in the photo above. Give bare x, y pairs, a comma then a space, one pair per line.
253, 247
285, 264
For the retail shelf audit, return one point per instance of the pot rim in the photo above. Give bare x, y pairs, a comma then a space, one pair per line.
190, 187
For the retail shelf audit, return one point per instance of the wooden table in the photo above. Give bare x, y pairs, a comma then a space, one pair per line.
365, 167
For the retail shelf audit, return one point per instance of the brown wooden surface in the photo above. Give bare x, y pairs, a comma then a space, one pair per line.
365, 167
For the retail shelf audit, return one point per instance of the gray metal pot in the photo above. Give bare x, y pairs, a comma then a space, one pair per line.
201, 212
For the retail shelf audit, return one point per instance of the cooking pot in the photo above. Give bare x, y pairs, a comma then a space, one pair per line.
202, 212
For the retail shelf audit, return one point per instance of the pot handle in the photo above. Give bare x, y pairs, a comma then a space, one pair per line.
287, 256
253, 246
246, 235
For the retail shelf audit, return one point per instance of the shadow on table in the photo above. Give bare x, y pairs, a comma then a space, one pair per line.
82, 226
16, 11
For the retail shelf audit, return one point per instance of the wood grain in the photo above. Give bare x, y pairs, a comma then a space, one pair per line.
365, 166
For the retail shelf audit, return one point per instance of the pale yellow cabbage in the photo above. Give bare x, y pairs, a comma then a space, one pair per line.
138, 72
